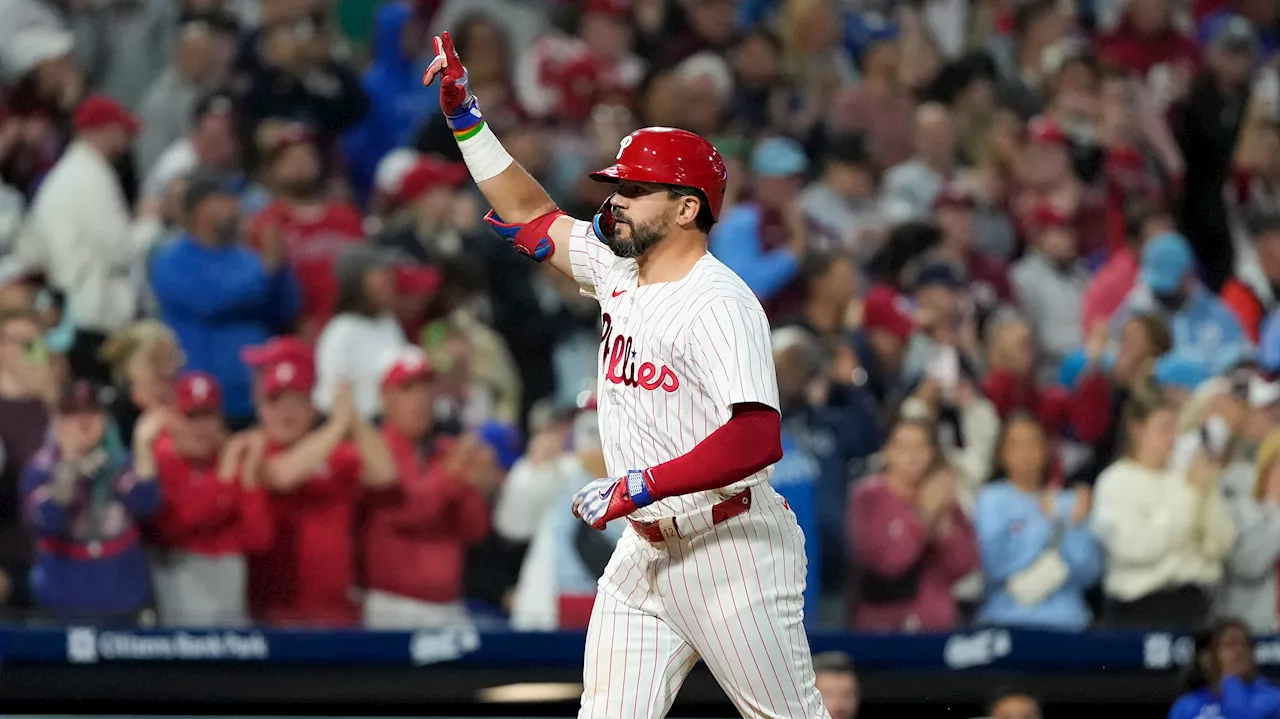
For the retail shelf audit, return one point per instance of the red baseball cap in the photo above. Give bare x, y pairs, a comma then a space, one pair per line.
428, 173
278, 349
1045, 130
1046, 214
284, 375
409, 364
882, 310
198, 392
99, 111
418, 279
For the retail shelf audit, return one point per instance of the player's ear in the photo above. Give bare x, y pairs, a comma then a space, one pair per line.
687, 215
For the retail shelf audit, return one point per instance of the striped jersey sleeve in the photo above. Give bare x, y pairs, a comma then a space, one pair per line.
730, 345
590, 259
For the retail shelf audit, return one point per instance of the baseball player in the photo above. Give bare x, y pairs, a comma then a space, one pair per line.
711, 565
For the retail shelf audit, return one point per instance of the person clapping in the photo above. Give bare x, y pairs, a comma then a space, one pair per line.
911, 541
215, 510
1166, 532
1038, 554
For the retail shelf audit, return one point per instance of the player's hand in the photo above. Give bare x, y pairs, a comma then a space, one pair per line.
602, 501
455, 87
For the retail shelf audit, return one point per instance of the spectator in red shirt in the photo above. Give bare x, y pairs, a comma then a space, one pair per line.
416, 533
312, 228
214, 510
1010, 383
1146, 38
1047, 176
315, 476
911, 541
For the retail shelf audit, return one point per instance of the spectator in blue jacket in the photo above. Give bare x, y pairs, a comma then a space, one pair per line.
1204, 330
83, 496
763, 240
1223, 681
220, 297
1038, 553
401, 52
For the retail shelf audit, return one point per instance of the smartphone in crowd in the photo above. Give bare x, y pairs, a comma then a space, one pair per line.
1215, 435
944, 369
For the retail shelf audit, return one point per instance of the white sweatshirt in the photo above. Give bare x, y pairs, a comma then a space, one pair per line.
81, 232
1159, 532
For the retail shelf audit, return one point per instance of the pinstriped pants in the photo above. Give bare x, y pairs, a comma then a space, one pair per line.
732, 596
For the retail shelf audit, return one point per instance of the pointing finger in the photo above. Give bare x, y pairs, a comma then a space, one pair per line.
448, 51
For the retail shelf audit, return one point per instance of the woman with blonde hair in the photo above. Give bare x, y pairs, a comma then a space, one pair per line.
1252, 491
1166, 532
144, 359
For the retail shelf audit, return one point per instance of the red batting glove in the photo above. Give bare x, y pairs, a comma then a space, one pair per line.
602, 501
455, 87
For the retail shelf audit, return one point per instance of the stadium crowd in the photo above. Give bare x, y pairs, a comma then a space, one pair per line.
262, 361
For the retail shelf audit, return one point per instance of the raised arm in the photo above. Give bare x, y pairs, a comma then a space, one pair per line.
523, 212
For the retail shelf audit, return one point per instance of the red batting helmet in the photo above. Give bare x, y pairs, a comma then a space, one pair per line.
670, 156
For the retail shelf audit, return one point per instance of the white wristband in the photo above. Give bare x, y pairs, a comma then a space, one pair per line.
485, 156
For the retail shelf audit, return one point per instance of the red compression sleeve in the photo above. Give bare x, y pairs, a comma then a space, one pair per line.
750, 441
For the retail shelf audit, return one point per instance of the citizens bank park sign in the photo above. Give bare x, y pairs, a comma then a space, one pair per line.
91, 645
976, 650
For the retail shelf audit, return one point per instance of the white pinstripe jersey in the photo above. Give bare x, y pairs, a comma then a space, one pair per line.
674, 359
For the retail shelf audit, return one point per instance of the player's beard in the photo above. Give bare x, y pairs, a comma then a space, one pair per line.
642, 237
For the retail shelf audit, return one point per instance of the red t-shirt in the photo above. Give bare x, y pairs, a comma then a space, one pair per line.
308, 574
201, 513
312, 241
415, 534
1139, 53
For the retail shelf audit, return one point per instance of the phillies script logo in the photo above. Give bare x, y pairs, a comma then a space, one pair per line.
618, 361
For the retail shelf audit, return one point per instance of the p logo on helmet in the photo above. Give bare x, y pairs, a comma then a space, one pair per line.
670, 156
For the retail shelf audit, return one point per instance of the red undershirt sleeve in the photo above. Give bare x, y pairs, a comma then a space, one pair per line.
750, 441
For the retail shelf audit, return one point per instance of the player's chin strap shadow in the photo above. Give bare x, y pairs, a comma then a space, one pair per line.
604, 224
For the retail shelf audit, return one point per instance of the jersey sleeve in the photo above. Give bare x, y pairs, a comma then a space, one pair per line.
730, 350
590, 259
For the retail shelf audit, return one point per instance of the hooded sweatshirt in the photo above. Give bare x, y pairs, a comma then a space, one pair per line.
397, 109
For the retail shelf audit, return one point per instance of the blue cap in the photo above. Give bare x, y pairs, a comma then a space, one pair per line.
864, 31
941, 273
779, 157
1228, 31
1174, 371
505, 441
1166, 260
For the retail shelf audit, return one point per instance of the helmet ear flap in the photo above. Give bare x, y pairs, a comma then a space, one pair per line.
603, 223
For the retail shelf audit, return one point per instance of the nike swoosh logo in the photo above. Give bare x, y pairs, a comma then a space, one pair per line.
619, 293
